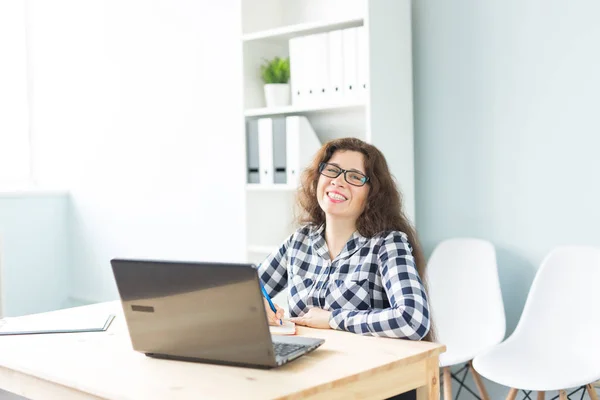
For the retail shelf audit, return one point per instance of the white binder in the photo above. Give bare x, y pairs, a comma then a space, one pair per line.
297, 71
362, 57
350, 63
336, 66
310, 68
302, 144
265, 150
279, 150
321, 67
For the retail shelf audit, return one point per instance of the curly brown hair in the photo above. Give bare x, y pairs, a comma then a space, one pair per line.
383, 210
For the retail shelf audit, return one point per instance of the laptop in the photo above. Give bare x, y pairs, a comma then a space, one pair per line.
202, 312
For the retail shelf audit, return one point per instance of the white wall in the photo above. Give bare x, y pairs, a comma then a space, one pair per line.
14, 117
34, 252
137, 111
506, 129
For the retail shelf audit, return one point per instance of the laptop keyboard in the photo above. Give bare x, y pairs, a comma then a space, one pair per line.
283, 349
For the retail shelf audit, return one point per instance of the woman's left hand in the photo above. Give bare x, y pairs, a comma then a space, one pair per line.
314, 318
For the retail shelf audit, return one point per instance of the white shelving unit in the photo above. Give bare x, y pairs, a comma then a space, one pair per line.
304, 109
285, 33
383, 118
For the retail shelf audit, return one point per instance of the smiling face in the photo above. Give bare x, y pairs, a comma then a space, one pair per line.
338, 198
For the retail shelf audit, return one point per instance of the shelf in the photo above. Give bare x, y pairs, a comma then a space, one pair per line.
258, 187
262, 249
302, 109
285, 33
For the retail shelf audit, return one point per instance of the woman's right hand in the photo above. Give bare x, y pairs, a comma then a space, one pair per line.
274, 318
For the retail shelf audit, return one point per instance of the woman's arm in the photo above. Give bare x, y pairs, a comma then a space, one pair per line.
273, 270
408, 316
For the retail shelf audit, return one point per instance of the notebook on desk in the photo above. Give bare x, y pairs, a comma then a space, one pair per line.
288, 328
52, 322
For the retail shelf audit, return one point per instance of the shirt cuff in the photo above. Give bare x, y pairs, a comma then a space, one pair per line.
337, 320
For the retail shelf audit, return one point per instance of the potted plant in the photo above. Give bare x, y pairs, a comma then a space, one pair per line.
276, 75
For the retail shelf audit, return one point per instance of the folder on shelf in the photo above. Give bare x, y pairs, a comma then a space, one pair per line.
265, 150
253, 175
279, 150
302, 144
320, 68
349, 41
335, 58
362, 57
310, 68
297, 70
282, 146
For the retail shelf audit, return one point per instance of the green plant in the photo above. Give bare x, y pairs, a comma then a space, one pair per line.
276, 70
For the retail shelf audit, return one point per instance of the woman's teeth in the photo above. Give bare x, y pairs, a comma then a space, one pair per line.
336, 196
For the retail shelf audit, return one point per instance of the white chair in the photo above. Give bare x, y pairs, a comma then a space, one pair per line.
467, 307
556, 344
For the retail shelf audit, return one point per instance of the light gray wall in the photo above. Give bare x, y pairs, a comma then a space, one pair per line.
507, 129
137, 111
34, 252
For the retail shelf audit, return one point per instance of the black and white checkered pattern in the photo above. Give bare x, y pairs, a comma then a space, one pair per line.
372, 287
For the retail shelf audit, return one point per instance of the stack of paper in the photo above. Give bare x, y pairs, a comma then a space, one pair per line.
55, 322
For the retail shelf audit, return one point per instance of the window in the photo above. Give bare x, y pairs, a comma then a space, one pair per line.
14, 107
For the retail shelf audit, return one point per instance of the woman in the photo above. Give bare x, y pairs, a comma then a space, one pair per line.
356, 263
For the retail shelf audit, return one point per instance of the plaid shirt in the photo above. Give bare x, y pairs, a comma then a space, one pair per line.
372, 287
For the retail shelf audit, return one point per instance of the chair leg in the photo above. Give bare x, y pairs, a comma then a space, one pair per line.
562, 395
447, 384
479, 382
541, 395
591, 392
512, 394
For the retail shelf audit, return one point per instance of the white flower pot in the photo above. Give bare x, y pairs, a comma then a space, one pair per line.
277, 94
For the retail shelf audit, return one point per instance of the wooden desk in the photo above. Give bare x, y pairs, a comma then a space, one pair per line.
104, 365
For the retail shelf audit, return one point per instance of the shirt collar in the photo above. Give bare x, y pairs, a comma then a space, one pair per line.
317, 236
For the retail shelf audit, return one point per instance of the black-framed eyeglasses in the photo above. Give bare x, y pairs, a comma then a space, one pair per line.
353, 177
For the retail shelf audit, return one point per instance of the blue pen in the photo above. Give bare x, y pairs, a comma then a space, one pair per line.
264, 292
